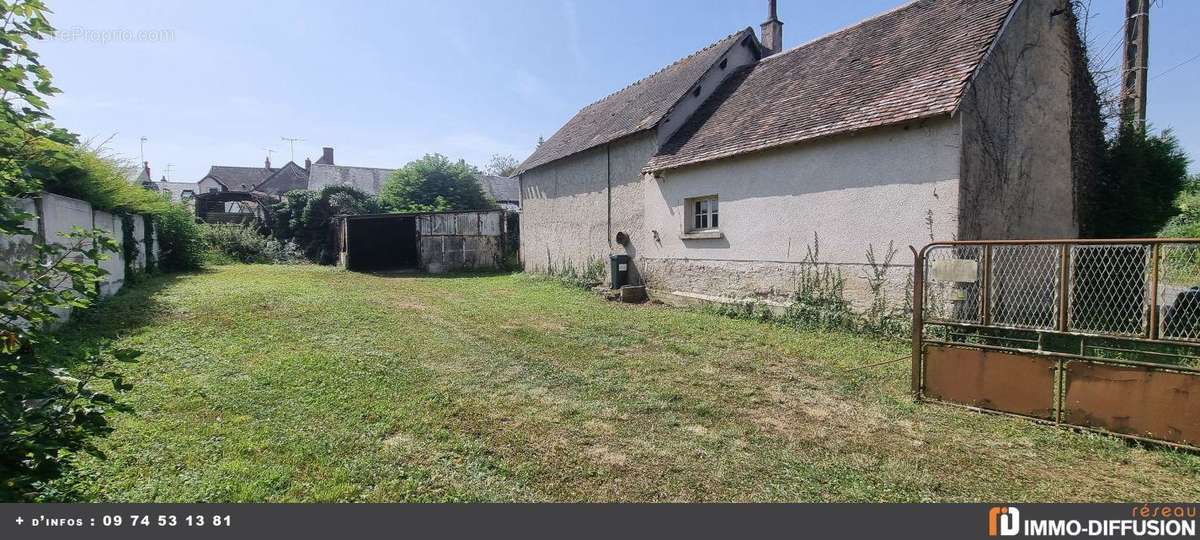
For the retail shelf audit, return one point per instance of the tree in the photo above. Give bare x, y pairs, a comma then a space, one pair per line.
434, 184
501, 165
1142, 175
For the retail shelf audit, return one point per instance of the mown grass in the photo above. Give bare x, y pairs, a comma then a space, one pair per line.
303, 383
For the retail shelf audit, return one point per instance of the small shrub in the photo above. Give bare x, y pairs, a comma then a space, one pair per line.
180, 247
241, 244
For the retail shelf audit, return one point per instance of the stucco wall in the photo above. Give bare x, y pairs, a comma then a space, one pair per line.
565, 219
852, 192
1016, 122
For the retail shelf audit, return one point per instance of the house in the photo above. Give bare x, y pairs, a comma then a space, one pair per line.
175, 191
315, 175
939, 119
506, 191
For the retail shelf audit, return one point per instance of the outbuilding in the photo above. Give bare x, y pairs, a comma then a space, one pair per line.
435, 242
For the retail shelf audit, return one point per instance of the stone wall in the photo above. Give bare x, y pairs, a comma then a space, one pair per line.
1017, 168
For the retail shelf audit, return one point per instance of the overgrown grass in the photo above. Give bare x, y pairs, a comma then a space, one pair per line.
305, 383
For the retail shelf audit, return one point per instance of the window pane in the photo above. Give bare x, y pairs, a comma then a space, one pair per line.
714, 220
696, 221
699, 209
712, 206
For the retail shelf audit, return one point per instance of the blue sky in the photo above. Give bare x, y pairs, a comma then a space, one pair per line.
218, 82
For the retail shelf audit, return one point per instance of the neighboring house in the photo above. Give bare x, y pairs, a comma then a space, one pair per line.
175, 191
324, 172
940, 119
506, 191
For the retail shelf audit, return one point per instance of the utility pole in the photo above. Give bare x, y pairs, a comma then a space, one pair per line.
1135, 66
142, 149
292, 146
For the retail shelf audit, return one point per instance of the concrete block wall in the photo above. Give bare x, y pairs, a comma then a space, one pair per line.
57, 216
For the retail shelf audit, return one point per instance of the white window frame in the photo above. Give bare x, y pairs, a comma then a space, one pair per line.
702, 214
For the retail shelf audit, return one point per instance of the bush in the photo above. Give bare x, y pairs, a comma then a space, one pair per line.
1186, 223
1142, 175
179, 243
304, 218
242, 244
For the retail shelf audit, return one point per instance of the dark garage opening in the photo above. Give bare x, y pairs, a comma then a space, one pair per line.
382, 242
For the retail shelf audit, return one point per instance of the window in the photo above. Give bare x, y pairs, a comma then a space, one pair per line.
213, 190
702, 214
187, 194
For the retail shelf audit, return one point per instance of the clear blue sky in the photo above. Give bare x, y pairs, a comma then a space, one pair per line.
384, 82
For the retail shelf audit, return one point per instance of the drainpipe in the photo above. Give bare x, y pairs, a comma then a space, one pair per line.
608, 178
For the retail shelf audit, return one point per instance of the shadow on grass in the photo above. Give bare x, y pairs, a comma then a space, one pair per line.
416, 274
135, 306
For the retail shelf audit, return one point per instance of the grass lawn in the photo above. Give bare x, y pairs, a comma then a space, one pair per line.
304, 383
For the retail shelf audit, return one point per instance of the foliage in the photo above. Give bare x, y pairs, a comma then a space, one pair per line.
501, 165
239, 243
1186, 223
47, 415
304, 218
90, 172
434, 184
1143, 174
180, 246
590, 275
820, 303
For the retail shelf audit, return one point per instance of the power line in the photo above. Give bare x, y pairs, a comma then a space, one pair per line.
1176, 66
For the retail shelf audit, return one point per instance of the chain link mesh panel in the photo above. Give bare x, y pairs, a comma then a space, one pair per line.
1024, 285
1108, 289
953, 275
1179, 291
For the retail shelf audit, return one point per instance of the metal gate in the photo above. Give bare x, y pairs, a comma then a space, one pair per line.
1099, 334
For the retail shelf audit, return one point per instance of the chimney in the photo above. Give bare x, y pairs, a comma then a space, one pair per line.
307, 164
772, 31
268, 162
326, 156
146, 170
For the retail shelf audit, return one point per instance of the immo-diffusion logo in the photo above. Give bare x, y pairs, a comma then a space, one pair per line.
1144, 520
1004, 521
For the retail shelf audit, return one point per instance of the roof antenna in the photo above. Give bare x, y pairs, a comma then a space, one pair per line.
292, 146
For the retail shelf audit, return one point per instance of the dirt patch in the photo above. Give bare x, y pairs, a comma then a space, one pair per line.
606, 456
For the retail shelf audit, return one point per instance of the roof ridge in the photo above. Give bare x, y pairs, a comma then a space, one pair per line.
851, 26
668, 66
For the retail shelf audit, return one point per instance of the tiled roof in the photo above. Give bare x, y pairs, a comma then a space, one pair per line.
501, 188
285, 179
367, 179
240, 178
635, 108
909, 63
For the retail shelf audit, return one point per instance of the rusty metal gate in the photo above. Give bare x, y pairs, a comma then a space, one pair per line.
1099, 334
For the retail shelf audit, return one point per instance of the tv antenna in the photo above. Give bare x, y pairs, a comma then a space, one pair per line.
292, 145
168, 170
142, 148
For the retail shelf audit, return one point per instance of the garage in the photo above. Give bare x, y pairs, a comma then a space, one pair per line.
435, 242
